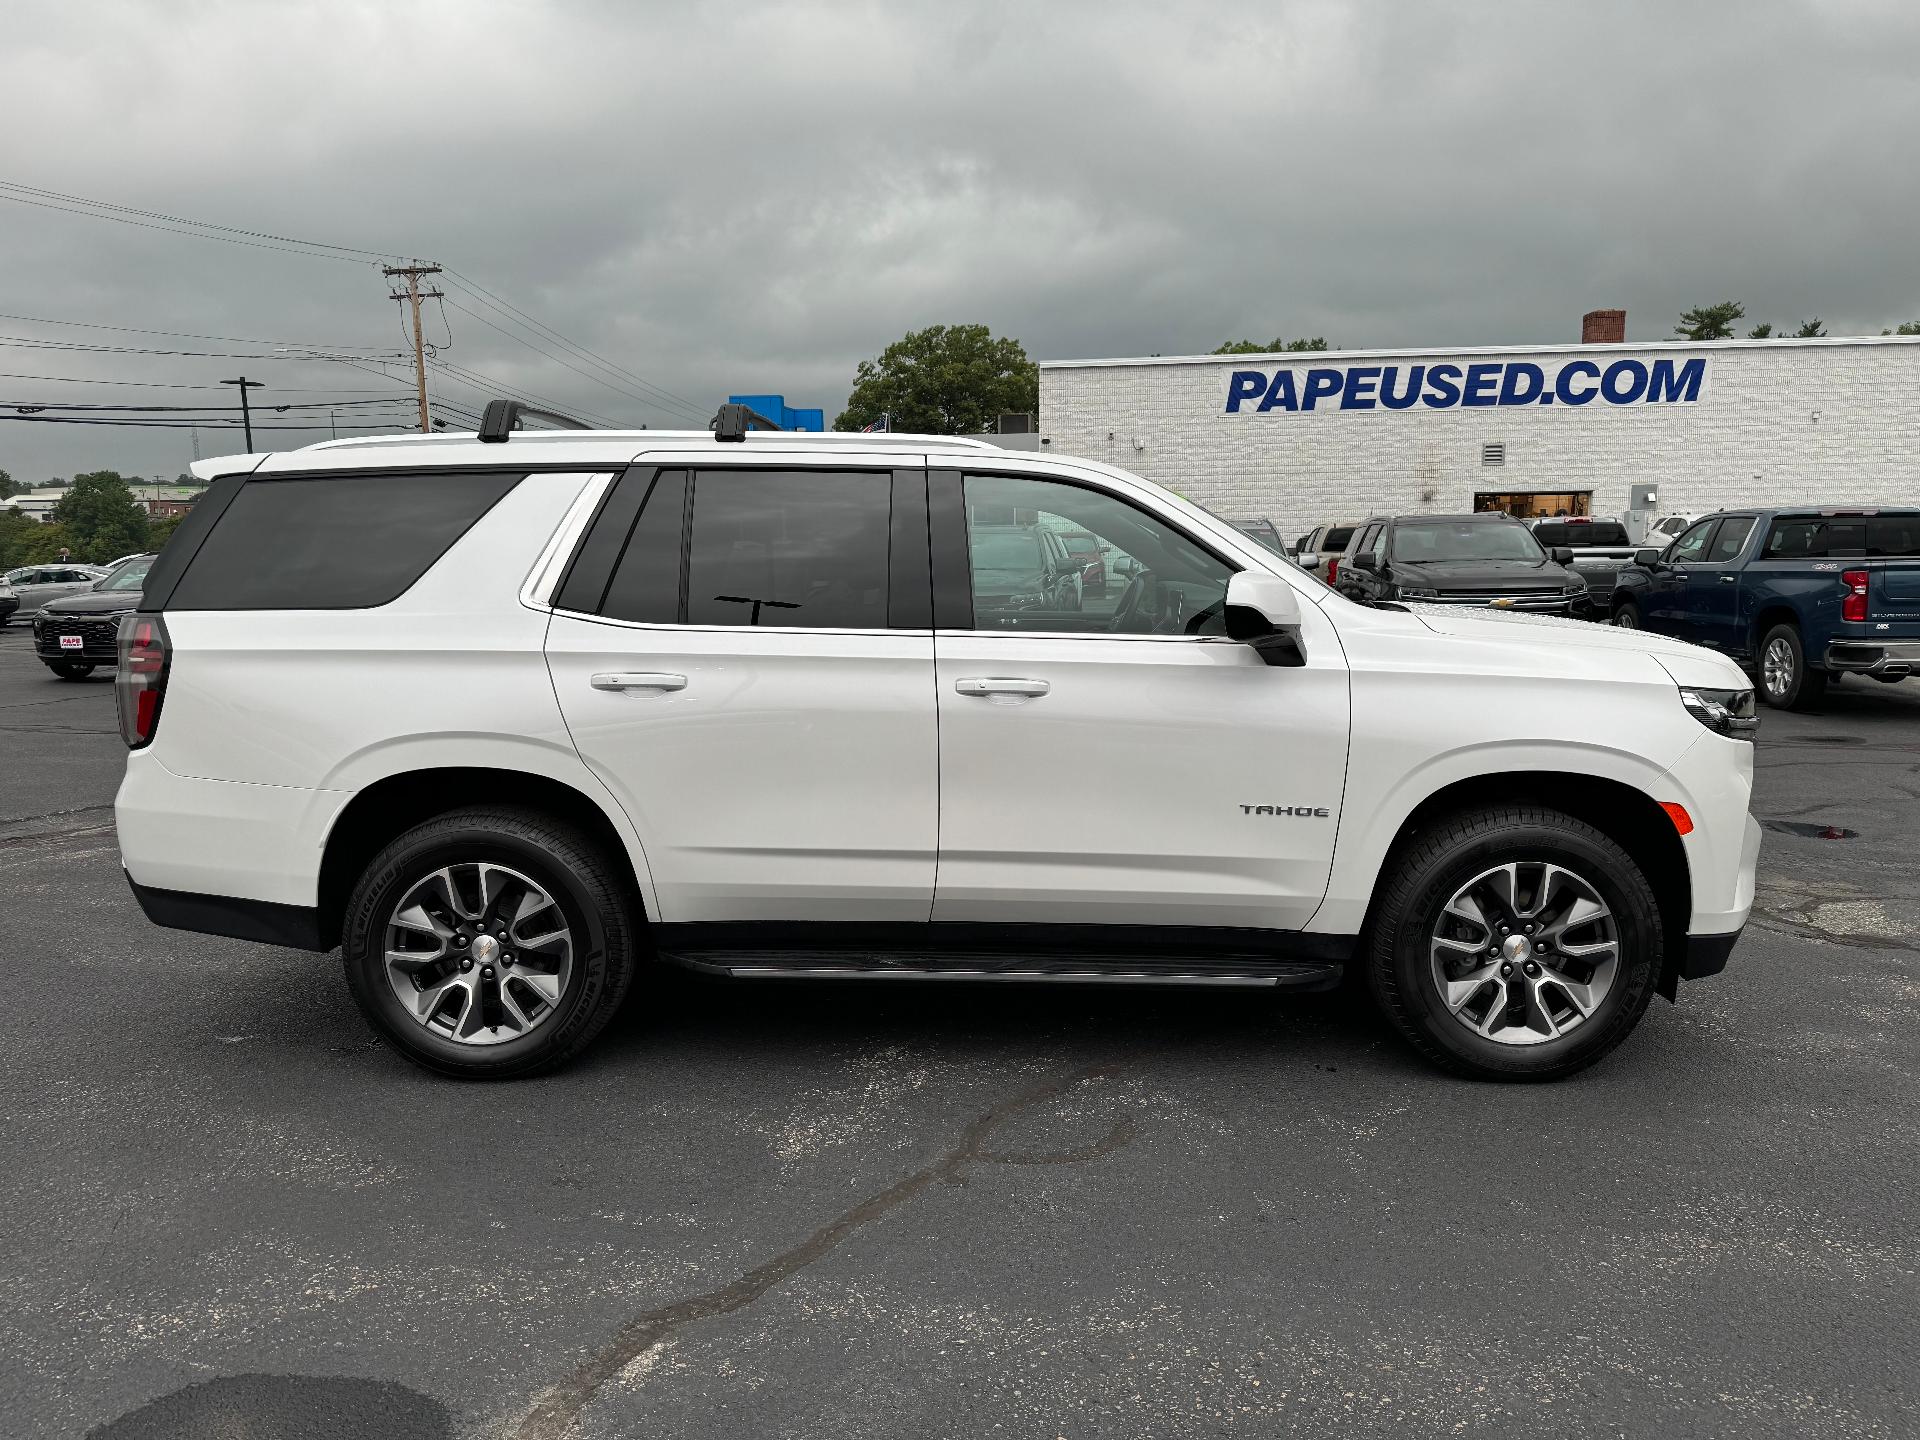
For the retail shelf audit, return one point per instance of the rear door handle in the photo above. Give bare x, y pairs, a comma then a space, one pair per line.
1728, 579
986, 686
639, 682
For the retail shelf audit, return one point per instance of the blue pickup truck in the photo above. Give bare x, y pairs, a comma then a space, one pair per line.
1797, 595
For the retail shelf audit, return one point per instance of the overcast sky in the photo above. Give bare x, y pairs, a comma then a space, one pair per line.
754, 197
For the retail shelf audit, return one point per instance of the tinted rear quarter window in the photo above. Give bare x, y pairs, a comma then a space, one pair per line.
343, 542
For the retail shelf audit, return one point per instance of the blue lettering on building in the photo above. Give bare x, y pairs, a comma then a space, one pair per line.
1446, 386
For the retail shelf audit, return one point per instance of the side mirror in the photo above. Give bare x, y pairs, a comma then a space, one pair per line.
1363, 561
1307, 559
1647, 558
1561, 554
1263, 611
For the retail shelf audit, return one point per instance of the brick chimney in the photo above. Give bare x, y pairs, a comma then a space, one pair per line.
1603, 327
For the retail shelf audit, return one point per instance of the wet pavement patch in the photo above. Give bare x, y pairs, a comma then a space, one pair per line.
285, 1407
1808, 829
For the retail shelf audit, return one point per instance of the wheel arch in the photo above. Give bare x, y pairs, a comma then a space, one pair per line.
398, 802
1629, 816
1775, 613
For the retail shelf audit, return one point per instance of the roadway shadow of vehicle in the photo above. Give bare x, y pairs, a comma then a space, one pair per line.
672, 1006
284, 1407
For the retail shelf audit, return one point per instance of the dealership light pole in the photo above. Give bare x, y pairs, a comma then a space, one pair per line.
246, 414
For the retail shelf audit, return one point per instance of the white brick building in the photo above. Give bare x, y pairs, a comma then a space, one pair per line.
1304, 438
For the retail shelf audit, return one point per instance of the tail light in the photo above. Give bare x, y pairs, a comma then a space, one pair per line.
141, 683
1333, 568
1854, 607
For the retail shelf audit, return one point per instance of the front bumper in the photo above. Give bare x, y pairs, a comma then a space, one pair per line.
1522, 604
1882, 659
1707, 954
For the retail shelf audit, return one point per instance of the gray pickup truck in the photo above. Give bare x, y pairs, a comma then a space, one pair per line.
1600, 549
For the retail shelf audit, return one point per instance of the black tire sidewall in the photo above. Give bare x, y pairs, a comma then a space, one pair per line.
1806, 686
1628, 608
1405, 951
428, 848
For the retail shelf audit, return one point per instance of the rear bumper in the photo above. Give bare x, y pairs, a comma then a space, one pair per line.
295, 926
1882, 659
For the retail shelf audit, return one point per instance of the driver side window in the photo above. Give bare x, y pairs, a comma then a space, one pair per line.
1139, 577
1692, 545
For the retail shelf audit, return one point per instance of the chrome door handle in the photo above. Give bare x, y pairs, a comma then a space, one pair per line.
1001, 687
1728, 579
639, 682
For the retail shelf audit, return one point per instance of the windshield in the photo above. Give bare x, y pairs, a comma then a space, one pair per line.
1420, 540
130, 576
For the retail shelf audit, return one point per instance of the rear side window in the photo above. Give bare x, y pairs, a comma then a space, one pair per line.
344, 542
1337, 538
1732, 538
789, 548
1802, 537
646, 579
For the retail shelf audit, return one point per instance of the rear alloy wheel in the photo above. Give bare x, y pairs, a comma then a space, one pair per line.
1787, 682
1627, 616
489, 943
70, 669
1515, 944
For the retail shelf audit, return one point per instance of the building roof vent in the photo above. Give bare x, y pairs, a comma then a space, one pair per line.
1494, 452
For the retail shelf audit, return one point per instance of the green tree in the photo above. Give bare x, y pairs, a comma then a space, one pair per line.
1906, 327
1761, 332
1810, 329
100, 517
944, 380
1710, 322
25, 541
1275, 347
7, 487
159, 531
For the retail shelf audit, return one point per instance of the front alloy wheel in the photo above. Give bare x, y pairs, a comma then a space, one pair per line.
1525, 952
1514, 942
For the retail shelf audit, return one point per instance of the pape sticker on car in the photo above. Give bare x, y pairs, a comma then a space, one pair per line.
72, 642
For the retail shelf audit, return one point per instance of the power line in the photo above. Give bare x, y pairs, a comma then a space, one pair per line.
86, 405
658, 394
77, 347
173, 384
183, 334
173, 424
199, 229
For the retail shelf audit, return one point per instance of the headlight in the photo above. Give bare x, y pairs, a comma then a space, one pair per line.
1417, 592
1725, 712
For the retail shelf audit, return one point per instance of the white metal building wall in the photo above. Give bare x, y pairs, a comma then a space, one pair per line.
1831, 421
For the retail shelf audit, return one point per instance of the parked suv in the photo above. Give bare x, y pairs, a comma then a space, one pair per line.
505, 722
79, 633
1478, 559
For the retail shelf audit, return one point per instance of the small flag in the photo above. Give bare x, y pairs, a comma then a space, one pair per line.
884, 423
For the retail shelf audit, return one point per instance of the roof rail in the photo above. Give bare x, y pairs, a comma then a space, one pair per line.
731, 422
502, 417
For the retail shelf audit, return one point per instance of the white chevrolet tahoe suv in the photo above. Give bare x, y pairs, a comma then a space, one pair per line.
507, 717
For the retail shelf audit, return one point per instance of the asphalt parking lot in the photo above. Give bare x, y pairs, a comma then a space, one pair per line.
859, 1213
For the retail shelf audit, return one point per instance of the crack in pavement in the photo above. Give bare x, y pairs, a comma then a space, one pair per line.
556, 1410
90, 820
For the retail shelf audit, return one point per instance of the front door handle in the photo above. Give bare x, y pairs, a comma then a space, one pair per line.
986, 686
639, 682
1728, 579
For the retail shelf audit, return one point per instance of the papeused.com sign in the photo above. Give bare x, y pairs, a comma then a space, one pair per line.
1448, 386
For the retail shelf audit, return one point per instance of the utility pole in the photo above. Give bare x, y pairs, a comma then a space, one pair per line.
413, 295
246, 413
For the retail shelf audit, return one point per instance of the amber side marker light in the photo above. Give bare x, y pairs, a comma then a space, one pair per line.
1677, 813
